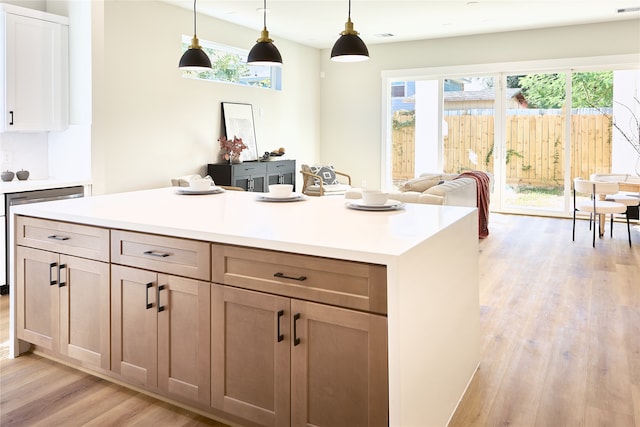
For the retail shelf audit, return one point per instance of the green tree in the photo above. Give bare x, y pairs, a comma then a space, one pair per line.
589, 90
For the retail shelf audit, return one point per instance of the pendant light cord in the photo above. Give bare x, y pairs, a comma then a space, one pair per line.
264, 14
194, 18
349, 10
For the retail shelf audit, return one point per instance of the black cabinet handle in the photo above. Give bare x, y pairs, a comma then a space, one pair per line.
60, 275
296, 340
54, 237
11, 119
280, 336
283, 276
157, 254
160, 307
51, 267
149, 305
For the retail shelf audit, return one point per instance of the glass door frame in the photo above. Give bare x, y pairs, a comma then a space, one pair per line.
499, 71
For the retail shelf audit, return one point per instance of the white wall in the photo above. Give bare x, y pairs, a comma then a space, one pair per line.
351, 120
150, 124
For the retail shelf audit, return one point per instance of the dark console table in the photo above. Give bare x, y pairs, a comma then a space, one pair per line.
254, 176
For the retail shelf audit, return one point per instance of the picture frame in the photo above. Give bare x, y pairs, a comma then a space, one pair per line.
238, 122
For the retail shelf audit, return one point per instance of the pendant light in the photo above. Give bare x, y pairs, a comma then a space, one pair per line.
195, 58
349, 47
264, 52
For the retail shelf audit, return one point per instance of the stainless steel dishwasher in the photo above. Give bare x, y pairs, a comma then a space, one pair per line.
22, 198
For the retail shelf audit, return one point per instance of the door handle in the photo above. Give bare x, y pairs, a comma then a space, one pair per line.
149, 304
11, 118
157, 254
280, 336
60, 276
296, 340
51, 267
160, 307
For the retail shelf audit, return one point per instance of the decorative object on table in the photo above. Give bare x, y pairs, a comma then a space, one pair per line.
195, 58
632, 135
232, 149
264, 52
280, 191
349, 47
22, 175
360, 205
374, 197
271, 155
7, 176
238, 121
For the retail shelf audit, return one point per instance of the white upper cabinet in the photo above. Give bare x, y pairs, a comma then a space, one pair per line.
34, 55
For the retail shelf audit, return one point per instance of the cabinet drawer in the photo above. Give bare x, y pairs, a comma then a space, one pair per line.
249, 168
63, 237
171, 255
342, 283
281, 166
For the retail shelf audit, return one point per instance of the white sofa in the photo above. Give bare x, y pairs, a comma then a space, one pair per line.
434, 189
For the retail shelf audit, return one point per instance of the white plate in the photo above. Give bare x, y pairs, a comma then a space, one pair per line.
294, 197
187, 190
390, 205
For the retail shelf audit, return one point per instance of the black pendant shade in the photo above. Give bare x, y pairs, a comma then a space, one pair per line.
349, 47
264, 52
195, 58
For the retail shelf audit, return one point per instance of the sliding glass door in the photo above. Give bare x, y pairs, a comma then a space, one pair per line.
534, 132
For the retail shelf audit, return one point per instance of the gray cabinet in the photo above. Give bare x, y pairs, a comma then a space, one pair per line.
254, 176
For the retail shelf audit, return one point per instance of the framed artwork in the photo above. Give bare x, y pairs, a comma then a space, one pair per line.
238, 122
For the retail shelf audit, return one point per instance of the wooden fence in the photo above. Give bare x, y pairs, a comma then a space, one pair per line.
535, 153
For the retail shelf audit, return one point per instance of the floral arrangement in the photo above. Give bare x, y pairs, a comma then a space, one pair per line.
231, 148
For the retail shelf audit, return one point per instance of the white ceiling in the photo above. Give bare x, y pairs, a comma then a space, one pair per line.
318, 23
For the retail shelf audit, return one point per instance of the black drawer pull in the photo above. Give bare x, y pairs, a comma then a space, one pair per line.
51, 267
283, 276
296, 340
280, 336
54, 237
149, 304
157, 254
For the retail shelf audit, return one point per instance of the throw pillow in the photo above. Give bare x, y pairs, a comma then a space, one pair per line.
421, 184
327, 173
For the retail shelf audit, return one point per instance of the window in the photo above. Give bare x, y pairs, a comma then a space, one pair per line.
229, 65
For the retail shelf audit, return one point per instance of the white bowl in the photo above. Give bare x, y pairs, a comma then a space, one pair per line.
374, 197
280, 191
200, 184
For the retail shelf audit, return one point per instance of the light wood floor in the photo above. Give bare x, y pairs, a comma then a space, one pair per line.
560, 326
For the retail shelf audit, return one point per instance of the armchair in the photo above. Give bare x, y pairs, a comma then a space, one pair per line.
323, 181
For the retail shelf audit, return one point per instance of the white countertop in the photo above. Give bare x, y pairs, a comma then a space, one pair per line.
17, 186
320, 226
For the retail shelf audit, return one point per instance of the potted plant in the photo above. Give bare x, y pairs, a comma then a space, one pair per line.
231, 148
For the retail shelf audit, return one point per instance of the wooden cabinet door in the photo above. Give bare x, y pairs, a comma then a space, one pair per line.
250, 342
134, 325
338, 367
84, 310
37, 297
184, 337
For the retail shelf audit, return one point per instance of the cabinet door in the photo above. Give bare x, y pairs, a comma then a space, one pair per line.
338, 367
38, 297
134, 326
84, 310
184, 337
36, 75
250, 342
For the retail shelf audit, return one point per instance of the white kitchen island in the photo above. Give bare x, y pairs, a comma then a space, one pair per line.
430, 253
